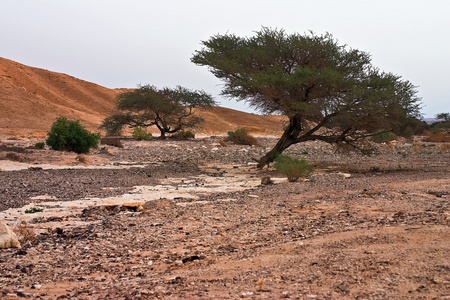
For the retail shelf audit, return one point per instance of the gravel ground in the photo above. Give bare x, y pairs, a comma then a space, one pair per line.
382, 233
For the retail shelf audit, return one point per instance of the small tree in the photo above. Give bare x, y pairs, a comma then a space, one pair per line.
443, 122
328, 91
170, 110
70, 135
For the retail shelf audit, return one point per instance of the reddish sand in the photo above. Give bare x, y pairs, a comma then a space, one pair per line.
32, 98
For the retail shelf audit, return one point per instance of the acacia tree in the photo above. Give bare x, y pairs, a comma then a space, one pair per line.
443, 122
328, 91
170, 110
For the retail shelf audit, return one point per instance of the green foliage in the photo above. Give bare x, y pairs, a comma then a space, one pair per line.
409, 127
443, 116
443, 124
291, 167
114, 124
141, 134
33, 210
69, 135
170, 110
383, 137
329, 92
183, 135
39, 145
374, 169
241, 137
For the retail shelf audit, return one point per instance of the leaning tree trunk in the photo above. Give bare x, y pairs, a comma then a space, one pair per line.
287, 139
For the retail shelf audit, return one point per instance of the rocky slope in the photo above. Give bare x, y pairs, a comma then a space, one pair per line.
32, 98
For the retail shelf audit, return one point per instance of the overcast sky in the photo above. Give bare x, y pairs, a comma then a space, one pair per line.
123, 43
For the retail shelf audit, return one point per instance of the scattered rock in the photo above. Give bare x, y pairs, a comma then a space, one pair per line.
190, 258
8, 239
266, 180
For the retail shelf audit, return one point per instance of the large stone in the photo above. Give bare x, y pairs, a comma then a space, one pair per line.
8, 239
266, 180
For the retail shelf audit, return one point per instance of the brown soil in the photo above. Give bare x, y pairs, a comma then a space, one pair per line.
382, 233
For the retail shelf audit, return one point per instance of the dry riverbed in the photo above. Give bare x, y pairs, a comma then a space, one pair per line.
191, 220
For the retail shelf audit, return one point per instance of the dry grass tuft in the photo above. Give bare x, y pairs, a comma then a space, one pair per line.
15, 157
82, 158
25, 233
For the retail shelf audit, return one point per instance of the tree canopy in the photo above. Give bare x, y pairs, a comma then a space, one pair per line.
328, 91
170, 110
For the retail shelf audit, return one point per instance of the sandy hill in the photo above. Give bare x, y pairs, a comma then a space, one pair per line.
32, 98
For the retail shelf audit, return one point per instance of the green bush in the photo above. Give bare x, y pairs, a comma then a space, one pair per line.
183, 135
241, 137
141, 134
33, 210
291, 167
70, 135
39, 145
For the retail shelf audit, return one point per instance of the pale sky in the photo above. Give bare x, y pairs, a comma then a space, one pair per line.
123, 43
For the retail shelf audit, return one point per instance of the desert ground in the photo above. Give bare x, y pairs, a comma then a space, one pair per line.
191, 220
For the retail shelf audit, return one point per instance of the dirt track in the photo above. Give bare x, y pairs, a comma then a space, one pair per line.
381, 233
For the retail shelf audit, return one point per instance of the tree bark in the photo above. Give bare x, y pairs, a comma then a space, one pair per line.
288, 138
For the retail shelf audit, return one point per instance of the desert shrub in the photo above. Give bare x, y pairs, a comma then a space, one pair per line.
141, 134
384, 137
291, 167
39, 145
70, 135
183, 135
436, 136
241, 137
25, 233
14, 157
82, 159
33, 210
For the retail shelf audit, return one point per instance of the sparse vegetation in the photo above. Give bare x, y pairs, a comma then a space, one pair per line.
39, 145
291, 167
70, 135
14, 157
141, 134
82, 159
25, 233
241, 137
33, 210
183, 135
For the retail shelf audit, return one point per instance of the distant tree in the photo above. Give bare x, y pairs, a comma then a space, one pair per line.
443, 116
443, 122
170, 110
328, 91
